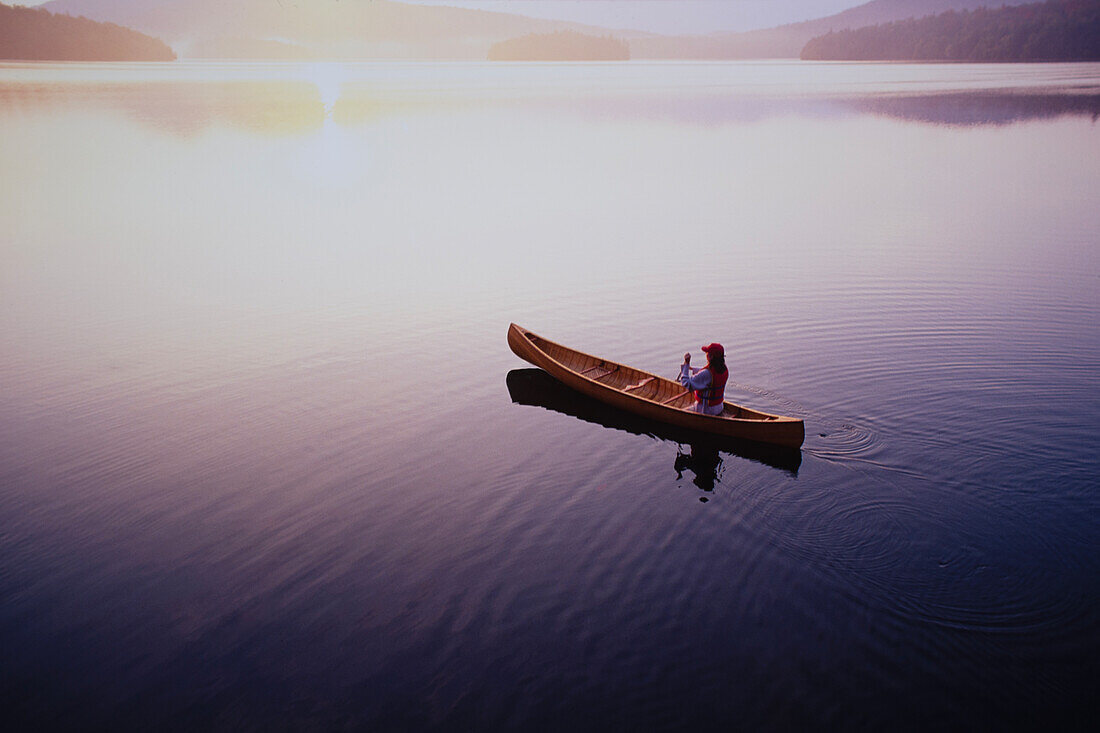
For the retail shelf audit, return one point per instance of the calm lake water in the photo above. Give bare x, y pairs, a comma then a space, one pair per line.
266, 461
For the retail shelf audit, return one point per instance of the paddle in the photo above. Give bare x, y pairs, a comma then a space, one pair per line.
687, 363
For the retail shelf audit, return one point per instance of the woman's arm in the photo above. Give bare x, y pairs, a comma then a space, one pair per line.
697, 381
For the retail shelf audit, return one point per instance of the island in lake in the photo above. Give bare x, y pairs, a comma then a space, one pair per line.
1056, 30
33, 34
560, 46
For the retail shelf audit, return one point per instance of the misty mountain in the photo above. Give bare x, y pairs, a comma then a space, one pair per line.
1054, 30
388, 29
787, 41
32, 34
317, 28
560, 46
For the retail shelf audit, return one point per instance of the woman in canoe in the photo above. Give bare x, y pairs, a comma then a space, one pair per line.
708, 383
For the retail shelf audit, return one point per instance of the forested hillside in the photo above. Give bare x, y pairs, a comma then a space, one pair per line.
319, 29
787, 41
32, 34
1057, 30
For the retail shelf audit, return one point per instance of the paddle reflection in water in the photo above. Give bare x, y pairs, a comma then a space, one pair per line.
537, 388
703, 460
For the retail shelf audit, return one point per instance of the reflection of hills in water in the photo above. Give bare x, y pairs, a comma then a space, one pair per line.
981, 108
274, 106
265, 107
536, 388
939, 108
183, 108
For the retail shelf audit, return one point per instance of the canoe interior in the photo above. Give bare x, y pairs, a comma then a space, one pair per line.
632, 381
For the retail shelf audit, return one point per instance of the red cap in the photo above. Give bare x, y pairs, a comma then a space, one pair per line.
717, 348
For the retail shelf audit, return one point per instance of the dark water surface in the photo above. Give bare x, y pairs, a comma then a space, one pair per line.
266, 461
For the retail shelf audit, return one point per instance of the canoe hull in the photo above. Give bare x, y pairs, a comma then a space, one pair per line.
563, 364
535, 387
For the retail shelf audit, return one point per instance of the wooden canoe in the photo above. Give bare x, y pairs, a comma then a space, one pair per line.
649, 395
535, 387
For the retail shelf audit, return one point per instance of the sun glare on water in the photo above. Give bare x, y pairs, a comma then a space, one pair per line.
329, 79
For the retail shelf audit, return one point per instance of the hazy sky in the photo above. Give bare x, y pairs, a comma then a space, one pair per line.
659, 16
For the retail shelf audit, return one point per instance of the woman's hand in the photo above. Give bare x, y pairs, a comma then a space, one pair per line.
687, 358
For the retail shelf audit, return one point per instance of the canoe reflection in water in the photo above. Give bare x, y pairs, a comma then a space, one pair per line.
537, 388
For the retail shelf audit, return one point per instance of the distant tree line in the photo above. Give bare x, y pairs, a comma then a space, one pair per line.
32, 34
1057, 30
560, 46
